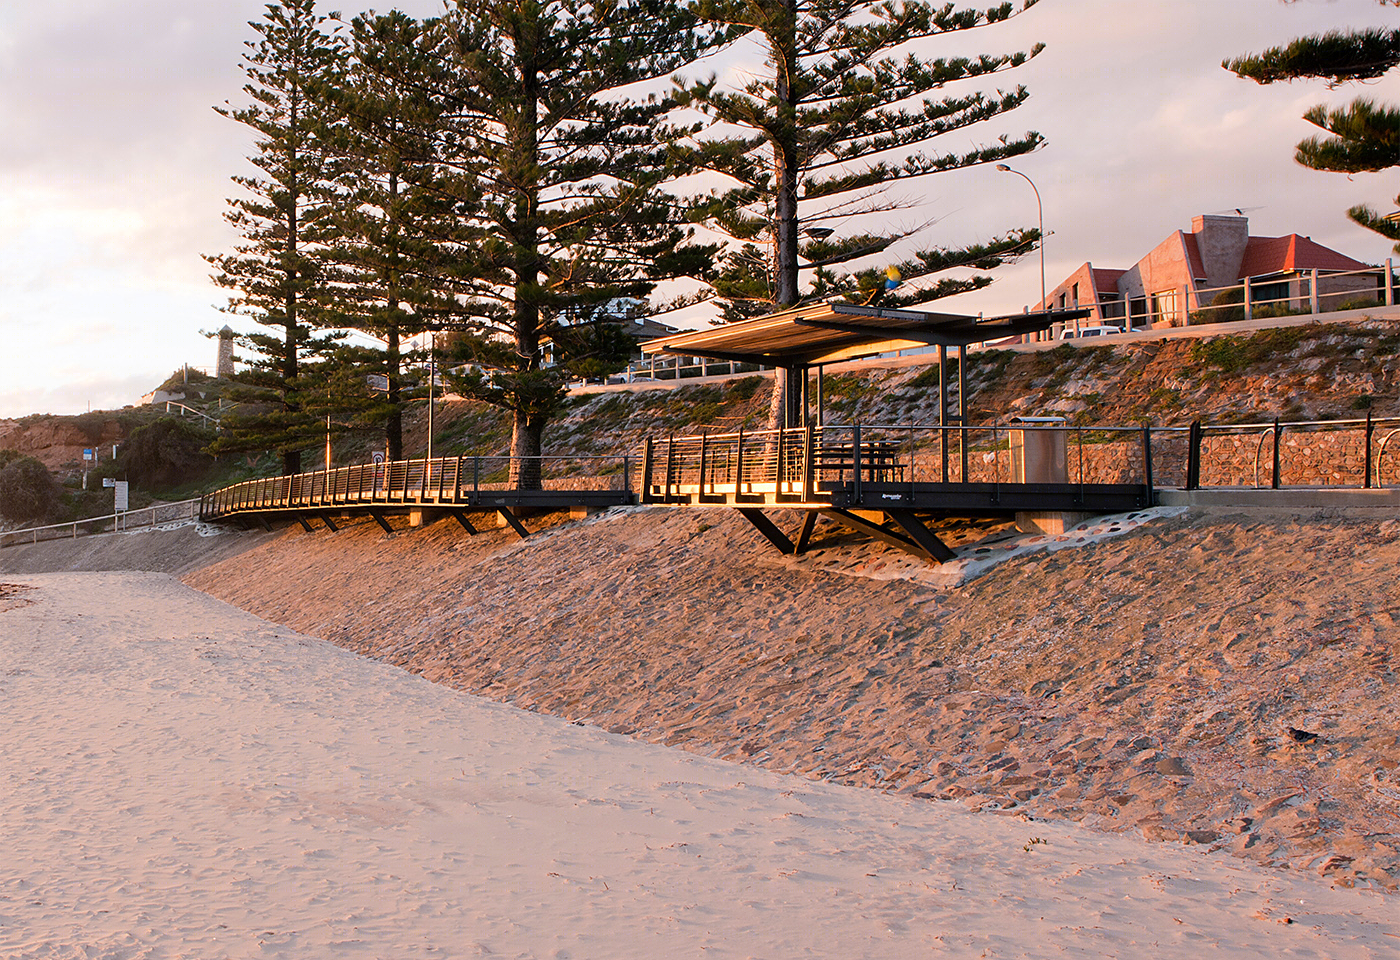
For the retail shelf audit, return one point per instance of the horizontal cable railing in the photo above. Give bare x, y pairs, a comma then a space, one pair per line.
447, 481
1357, 453
813, 460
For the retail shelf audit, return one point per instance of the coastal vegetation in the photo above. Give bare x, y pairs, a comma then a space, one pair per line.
509, 173
1362, 137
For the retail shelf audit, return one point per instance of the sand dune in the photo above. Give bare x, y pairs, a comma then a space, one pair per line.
182, 779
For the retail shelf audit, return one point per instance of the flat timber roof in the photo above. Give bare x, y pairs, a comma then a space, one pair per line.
831, 332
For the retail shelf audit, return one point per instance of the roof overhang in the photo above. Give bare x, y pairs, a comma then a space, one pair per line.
831, 332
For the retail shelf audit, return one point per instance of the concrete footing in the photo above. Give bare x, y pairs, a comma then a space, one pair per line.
1049, 522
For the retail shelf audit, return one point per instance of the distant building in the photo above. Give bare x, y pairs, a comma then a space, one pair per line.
223, 370
1187, 271
627, 313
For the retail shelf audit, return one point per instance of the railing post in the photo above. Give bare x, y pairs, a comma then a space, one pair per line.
476, 478
1193, 456
809, 467
1147, 464
1312, 292
670, 464
739, 464
626, 474
855, 450
1248, 300
704, 453
1370, 431
778, 466
1389, 283
1278, 431
647, 450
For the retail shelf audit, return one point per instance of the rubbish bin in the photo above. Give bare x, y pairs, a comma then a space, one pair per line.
1038, 450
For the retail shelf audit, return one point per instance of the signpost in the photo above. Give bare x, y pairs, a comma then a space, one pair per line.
121, 501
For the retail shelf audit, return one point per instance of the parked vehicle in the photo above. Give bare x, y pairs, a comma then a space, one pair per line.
1069, 333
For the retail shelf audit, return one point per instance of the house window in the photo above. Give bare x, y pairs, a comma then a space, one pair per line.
1164, 305
1074, 294
1265, 292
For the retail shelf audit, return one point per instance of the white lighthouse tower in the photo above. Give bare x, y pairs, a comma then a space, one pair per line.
224, 369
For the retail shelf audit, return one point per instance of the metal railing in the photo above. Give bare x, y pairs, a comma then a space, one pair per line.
1294, 453
182, 510
810, 461
446, 481
1305, 295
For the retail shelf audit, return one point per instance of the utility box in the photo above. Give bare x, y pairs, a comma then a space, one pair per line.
1039, 450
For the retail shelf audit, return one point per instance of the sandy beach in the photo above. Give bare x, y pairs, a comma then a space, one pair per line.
183, 779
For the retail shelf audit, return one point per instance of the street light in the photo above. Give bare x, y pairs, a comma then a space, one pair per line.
1040, 216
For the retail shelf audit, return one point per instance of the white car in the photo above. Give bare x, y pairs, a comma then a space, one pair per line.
1069, 334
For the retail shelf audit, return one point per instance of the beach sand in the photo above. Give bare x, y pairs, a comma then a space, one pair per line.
183, 779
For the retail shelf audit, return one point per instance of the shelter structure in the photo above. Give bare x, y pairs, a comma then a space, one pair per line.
884, 480
802, 339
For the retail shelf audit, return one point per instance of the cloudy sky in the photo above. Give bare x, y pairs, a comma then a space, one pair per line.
114, 168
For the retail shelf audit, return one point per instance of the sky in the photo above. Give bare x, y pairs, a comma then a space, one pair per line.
114, 166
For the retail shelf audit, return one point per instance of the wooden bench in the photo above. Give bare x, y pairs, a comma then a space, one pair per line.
879, 459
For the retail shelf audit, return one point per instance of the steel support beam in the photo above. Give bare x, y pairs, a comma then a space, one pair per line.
894, 538
922, 535
379, 519
461, 518
809, 523
768, 528
514, 522
330, 524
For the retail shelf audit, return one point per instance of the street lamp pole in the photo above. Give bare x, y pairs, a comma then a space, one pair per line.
432, 375
1040, 217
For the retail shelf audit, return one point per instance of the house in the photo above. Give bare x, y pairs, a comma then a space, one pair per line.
626, 313
1187, 272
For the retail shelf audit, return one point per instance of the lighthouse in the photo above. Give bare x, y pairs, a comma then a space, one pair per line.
224, 369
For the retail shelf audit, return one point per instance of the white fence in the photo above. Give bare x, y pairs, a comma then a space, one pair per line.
112, 522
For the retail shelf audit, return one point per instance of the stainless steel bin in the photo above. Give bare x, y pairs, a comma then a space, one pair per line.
1039, 450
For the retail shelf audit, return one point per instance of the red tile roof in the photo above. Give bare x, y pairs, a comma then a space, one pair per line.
1106, 281
1266, 255
1193, 256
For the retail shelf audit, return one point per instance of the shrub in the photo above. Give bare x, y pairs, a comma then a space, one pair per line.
745, 388
1225, 307
27, 491
1358, 303
167, 453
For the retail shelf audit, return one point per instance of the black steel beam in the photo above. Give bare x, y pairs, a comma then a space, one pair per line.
466, 524
304, 524
921, 535
514, 522
768, 528
883, 534
379, 519
809, 523
330, 524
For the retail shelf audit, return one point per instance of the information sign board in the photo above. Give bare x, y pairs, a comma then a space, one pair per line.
123, 502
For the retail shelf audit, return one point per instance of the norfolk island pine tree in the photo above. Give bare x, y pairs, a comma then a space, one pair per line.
1365, 136
837, 114
275, 274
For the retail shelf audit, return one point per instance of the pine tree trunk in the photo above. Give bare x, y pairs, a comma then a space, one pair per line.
393, 428
526, 441
785, 170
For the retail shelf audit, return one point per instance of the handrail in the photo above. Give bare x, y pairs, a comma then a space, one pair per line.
441, 481
121, 521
